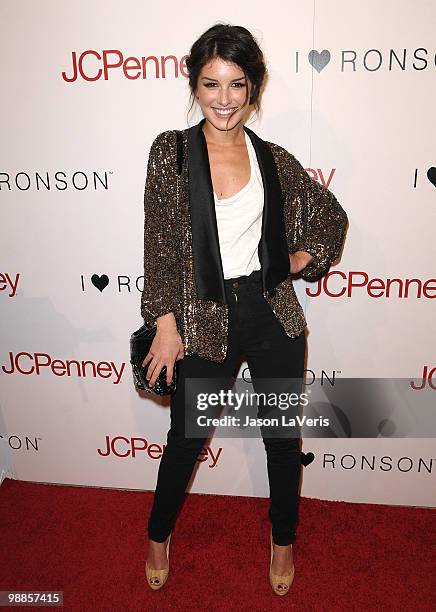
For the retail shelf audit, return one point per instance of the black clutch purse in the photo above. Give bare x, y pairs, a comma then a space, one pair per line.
142, 338
140, 343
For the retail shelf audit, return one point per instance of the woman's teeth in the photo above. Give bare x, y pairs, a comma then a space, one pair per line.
224, 113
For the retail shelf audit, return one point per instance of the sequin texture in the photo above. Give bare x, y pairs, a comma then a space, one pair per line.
315, 222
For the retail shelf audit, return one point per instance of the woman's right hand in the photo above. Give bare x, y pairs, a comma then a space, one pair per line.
166, 348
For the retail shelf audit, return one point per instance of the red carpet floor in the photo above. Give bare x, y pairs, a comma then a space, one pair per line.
90, 543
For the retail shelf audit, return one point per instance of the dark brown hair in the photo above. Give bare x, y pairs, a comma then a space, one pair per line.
231, 44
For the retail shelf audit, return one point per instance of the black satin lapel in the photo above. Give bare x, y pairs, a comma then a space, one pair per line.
209, 275
273, 247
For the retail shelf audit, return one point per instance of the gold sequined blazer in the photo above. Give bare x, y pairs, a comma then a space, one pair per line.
183, 270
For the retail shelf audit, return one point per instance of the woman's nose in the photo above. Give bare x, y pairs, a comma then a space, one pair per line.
224, 97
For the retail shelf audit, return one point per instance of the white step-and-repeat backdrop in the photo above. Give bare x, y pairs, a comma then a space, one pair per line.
86, 88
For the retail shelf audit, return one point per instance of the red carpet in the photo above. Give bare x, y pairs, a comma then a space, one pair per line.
90, 543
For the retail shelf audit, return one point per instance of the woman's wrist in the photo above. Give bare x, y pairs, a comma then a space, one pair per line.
166, 321
299, 260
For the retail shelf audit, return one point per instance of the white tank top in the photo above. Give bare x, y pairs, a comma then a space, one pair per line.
239, 221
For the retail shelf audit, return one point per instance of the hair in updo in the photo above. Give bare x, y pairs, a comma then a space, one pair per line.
231, 44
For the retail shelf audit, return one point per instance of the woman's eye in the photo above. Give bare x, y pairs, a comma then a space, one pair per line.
238, 85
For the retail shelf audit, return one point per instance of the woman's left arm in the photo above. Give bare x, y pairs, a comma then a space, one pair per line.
315, 222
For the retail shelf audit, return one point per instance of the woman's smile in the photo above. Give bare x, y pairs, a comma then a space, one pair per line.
224, 112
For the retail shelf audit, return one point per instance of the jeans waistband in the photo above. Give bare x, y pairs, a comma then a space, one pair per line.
254, 278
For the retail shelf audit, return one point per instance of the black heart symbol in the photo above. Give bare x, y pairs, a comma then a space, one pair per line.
307, 458
431, 175
100, 281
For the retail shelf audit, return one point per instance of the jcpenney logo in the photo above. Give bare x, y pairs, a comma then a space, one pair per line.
79, 180
92, 65
368, 60
9, 283
338, 284
426, 379
33, 364
123, 447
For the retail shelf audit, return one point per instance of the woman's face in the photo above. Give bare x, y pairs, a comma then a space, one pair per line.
221, 90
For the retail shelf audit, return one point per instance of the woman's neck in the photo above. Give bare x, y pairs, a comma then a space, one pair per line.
221, 138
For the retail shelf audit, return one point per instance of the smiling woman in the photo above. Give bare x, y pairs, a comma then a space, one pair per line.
220, 103
227, 87
217, 277
222, 93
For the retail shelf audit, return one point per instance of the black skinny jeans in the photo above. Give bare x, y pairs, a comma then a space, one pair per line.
255, 333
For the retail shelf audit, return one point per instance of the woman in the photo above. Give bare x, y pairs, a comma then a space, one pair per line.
220, 244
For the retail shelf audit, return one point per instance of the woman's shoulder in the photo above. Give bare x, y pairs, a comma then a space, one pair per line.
287, 163
280, 153
292, 172
163, 149
164, 139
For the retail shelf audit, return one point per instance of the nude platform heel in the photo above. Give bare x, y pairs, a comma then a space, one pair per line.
280, 584
157, 578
